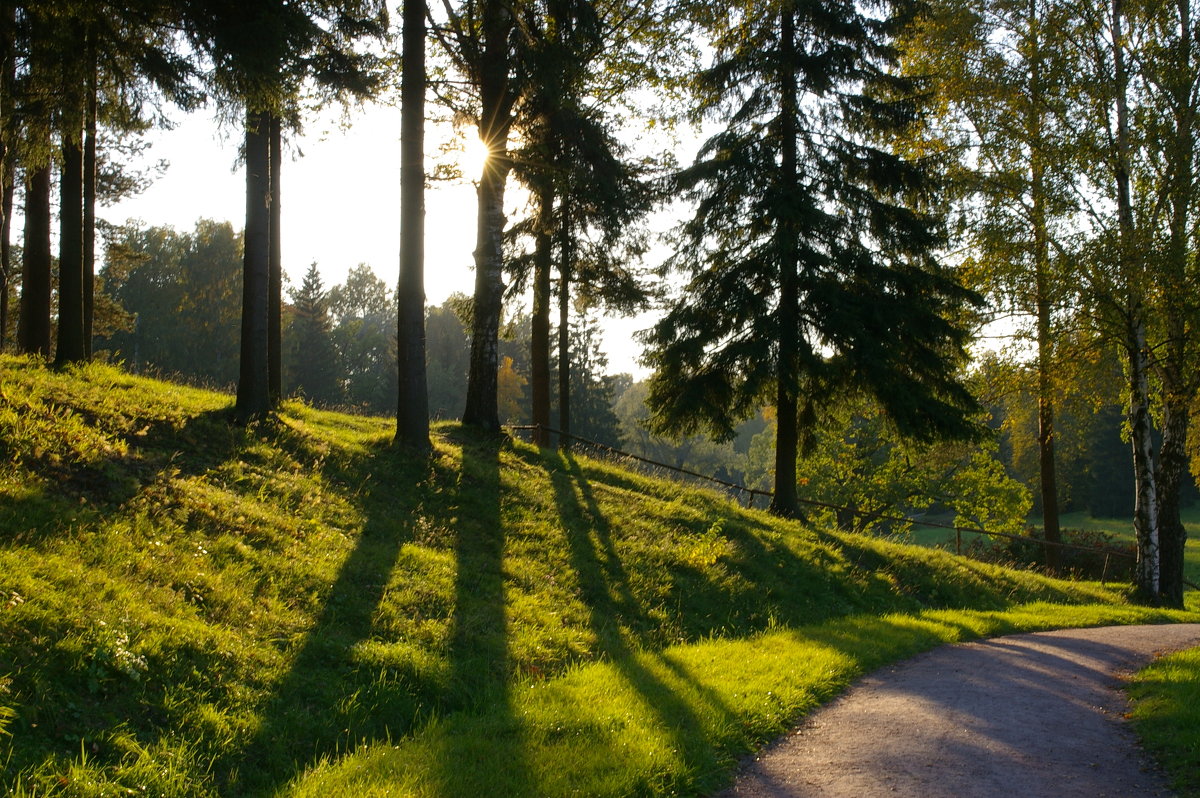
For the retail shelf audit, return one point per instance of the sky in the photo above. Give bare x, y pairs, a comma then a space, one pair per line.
340, 204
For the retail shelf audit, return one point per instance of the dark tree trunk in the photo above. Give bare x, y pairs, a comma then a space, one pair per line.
7, 164
539, 336
275, 269
564, 329
412, 399
33, 329
7, 169
70, 256
785, 502
253, 395
8, 190
89, 204
494, 123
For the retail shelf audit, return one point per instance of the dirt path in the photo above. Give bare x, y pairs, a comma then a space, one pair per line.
1022, 716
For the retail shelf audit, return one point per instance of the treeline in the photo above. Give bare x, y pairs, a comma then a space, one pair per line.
879, 182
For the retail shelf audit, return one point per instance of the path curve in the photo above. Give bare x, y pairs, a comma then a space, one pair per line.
1021, 716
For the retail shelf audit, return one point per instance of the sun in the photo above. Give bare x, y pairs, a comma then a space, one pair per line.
472, 157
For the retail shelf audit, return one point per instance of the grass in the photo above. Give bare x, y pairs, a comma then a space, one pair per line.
192, 608
1166, 716
1121, 529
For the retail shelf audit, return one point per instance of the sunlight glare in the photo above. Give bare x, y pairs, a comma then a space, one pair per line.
473, 157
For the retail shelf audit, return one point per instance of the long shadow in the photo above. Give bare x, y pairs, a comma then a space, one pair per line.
326, 704
613, 609
480, 666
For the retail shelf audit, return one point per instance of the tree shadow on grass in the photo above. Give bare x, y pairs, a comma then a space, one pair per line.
329, 703
480, 661
614, 614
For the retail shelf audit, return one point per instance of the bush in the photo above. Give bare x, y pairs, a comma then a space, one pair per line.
1103, 557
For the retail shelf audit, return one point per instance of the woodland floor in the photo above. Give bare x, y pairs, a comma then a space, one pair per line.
1026, 715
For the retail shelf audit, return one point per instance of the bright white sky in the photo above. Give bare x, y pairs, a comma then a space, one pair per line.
340, 205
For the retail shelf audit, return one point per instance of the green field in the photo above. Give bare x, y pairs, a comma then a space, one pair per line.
192, 608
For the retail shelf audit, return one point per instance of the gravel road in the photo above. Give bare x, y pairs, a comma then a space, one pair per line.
1022, 716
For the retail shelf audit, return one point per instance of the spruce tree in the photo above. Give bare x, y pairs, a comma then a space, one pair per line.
315, 371
810, 262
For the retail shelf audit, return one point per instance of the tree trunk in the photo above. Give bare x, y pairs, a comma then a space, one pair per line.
7, 196
275, 267
495, 121
33, 328
564, 331
1045, 340
412, 402
539, 337
253, 394
7, 165
1169, 478
1145, 508
89, 203
785, 502
70, 258
1176, 369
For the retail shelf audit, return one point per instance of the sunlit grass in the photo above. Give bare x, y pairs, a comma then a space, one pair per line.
189, 607
1166, 716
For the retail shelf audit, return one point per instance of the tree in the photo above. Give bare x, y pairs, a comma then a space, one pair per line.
1000, 74
261, 54
580, 58
315, 370
1136, 118
412, 408
447, 356
181, 293
590, 391
809, 259
479, 37
364, 335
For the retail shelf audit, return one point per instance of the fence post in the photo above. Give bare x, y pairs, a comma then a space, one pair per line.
958, 540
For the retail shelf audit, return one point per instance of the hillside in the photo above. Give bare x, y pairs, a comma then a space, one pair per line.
192, 608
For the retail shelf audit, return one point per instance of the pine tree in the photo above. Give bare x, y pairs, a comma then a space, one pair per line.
315, 368
809, 258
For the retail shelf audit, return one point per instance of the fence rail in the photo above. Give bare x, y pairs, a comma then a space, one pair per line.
752, 492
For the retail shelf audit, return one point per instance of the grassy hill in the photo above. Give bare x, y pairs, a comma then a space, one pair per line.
188, 607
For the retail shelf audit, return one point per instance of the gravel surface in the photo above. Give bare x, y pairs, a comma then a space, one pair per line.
1022, 716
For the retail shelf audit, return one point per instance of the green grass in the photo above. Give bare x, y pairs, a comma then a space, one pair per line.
1121, 529
1166, 716
191, 608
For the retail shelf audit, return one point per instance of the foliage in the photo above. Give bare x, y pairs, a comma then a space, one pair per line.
859, 462
1095, 563
184, 598
183, 293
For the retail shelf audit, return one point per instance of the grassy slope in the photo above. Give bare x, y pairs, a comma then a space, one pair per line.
191, 608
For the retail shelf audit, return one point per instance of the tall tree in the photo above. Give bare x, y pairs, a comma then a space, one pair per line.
412, 408
580, 60
1000, 73
479, 37
262, 53
810, 261
275, 263
1138, 100
253, 393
